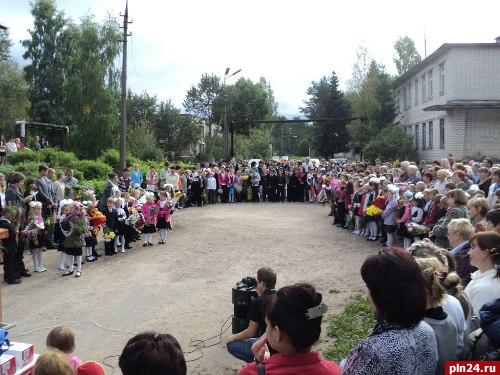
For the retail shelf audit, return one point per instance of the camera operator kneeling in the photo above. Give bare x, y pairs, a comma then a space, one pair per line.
240, 344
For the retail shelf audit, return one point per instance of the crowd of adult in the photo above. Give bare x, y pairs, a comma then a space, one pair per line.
14, 145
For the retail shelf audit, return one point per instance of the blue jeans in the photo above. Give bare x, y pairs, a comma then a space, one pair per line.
242, 349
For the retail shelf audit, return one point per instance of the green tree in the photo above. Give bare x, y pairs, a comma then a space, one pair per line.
249, 101
374, 104
141, 108
327, 101
45, 71
141, 142
406, 56
389, 144
260, 142
201, 99
91, 97
5, 44
14, 101
174, 131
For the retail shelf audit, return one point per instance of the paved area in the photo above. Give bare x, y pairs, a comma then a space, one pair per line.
184, 287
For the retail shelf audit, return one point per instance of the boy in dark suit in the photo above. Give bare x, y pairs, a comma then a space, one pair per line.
13, 265
112, 223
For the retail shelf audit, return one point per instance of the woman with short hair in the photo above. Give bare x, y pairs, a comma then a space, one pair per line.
401, 343
460, 232
484, 180
442, 178
457, 209
293, 322
478, 208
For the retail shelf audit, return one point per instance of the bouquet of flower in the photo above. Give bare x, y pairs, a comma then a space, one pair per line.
245, 178
77, 222
178, 195
49, 222
83, 192
153, 210
373, 211
98, 218
379, 202
133, 217
417, 229
108, 234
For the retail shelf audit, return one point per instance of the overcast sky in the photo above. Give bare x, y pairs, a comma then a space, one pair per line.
290, 43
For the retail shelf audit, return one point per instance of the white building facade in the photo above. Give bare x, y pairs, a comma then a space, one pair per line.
450, 102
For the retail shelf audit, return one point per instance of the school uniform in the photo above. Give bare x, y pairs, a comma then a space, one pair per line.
12, 269
111, 223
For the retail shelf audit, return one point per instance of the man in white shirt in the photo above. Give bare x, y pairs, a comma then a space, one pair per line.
173, 179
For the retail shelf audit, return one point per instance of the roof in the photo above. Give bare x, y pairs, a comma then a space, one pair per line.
465, 104
436, 54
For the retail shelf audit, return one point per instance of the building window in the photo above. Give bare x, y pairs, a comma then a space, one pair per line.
410, 87
399, 101
431, 135
405, 101
441, 133
441, 78
424, 95
424, 136
416, 136
429, 82
416, 91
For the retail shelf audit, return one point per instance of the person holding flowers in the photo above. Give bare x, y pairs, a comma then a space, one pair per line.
372, 212
36, 235
150, 213
73, 227
165, 204
109, 229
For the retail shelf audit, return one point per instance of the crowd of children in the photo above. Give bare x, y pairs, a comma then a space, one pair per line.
78, 225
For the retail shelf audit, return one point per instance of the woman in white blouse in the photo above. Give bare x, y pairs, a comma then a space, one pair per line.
3, 186
485, 255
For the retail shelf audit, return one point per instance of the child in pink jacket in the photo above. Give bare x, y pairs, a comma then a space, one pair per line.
149, 211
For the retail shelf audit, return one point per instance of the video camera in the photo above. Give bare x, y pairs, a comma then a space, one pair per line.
242, 296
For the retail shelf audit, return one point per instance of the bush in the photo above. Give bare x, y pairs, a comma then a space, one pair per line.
26, 155
93, 170
7, 169
391, 143
98, 186
57, 158
28, 168
111, 157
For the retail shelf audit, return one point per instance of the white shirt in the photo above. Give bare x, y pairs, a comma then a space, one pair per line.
173, 179
483, 288
453, 308
211, 183
439, 185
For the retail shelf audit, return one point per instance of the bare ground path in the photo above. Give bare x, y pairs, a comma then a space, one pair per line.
184, 287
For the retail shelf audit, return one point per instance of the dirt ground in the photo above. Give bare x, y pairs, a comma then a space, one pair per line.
184, 287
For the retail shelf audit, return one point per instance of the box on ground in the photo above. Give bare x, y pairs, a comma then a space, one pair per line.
7, 364
23, 353
28, 369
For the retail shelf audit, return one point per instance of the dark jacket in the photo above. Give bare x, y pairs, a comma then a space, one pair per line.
441, 230
10, 243
13, 197
464, 268
107, 192
490, 321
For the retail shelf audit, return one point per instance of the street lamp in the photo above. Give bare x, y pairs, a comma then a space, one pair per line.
225, 127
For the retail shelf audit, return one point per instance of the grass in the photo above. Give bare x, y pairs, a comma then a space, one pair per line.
347, 328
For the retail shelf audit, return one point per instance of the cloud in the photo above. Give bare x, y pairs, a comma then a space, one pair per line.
290, 43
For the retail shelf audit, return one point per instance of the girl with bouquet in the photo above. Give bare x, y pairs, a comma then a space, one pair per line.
121, 216
73, 227
372, 213
405, 219
150, 213
165, 204
36, 234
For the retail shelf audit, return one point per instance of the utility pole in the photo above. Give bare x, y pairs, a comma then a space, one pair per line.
123, 119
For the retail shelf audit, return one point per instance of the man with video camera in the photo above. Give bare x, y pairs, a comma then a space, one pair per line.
240, 344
